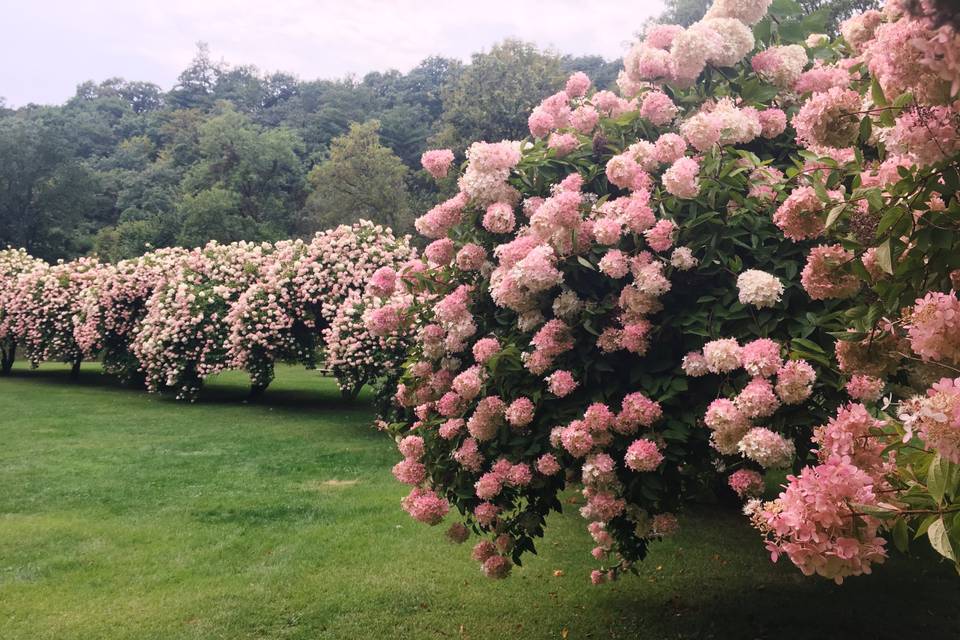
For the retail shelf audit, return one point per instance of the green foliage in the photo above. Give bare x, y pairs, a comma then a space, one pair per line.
131, 159
361, 179
493, 96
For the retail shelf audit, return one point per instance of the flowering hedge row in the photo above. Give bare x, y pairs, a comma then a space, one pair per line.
744, 262
176, 316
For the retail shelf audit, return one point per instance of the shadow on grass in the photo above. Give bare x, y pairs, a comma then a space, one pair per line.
216, 392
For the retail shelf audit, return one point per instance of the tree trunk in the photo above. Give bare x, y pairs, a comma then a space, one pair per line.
75, 369
9, 355
351, 393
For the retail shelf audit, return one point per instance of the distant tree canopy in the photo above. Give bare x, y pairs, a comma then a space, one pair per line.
231, 153
361, 178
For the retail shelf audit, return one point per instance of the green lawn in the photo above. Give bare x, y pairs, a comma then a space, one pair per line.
127, 515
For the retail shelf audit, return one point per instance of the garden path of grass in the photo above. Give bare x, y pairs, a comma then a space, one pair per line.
125, 515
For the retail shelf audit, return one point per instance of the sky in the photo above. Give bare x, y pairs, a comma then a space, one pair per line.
48, 47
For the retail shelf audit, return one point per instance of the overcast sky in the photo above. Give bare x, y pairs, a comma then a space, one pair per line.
47, 47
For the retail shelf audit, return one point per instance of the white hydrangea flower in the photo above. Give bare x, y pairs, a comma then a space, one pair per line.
759, 288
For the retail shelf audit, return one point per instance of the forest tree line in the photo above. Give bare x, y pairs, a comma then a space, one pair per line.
231, 153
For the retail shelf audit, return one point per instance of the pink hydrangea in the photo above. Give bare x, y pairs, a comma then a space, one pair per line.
658, 108
933, 327
822, 78
450, 428
757, 399
483, 550
761, 357
722, 355
577, 85
383, 282
669, 148
780, 65
865, 388
795, 381
547, 464
425, 506
799, 216
409, 471
850, 434
561, 383
680, 179
660, 36
773, 122
747, 483
829, 119
468, 383
486, 418
486, 513
488, 486
813, 525
497, 567
576, 439
484, 349
562, 143
695, 365
470, 257
637, 410
440, 252
936, 418
520, 412
614, 263
602, 506
584, 119
825, 275
499, 218
767, 448
661, 236
468, 455
643, 455
411, 447
437, 162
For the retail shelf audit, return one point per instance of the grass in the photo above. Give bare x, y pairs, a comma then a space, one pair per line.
125, 515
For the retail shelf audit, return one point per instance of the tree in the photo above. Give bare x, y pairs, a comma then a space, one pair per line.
195, 85
213, 214
44, 192
491, 99
602, 72
361, 179
262, 167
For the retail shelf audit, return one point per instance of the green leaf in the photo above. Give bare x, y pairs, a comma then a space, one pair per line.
937, 476
808, 345
924, 526
903, 100
940, 540
834, 215
586, 263
901, 535
876, 92
866, 128
884, 256
872, 510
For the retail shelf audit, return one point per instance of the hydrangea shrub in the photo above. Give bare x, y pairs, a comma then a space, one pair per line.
689, 276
